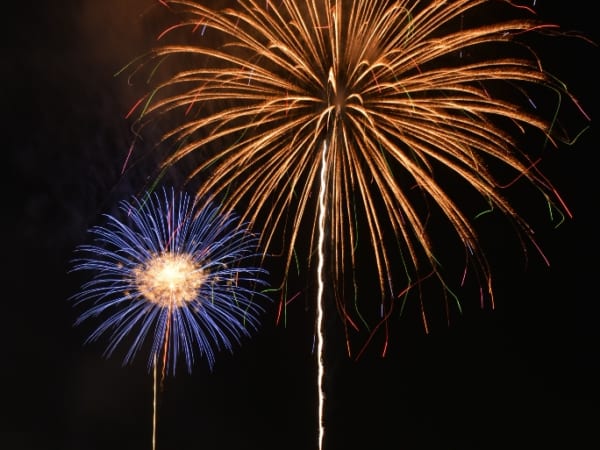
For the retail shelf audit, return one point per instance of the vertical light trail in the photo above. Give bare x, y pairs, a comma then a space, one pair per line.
154, 397
320, 337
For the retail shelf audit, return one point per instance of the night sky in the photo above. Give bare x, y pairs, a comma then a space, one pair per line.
524, 375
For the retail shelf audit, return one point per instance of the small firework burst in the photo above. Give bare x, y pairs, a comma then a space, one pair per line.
172, 272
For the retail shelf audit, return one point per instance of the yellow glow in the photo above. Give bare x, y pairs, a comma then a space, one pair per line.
169, 280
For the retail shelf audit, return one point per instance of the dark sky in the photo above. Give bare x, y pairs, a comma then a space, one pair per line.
525, 373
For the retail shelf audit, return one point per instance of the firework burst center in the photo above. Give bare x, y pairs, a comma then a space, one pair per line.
169, 279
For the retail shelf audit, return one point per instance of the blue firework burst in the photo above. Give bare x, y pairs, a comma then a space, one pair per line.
173, 272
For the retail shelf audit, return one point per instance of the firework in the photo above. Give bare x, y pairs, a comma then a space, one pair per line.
173, 273
423, 108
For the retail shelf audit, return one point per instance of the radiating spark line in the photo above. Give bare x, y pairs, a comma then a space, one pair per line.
320, 306
129, 152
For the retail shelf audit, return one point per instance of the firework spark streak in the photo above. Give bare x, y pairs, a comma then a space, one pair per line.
172, 272
320, 293
413, 98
